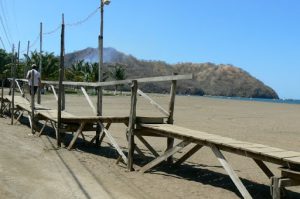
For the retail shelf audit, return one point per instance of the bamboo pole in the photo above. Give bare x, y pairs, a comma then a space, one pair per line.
59, 104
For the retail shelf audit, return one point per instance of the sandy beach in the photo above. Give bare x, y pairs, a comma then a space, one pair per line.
31, 167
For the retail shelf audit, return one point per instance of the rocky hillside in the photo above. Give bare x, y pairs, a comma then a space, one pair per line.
210, 79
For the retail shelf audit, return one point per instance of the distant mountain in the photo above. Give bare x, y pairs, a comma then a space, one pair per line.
210, 79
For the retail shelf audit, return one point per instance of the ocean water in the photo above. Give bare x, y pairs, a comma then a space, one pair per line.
283, 101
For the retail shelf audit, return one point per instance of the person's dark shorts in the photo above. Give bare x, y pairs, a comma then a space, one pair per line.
34, 89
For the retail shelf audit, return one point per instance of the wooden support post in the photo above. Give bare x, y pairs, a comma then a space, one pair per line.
99, 111
60, 86
170, 141
165, 156
264, 168
131, 125
32, 101
188, 154
236, 180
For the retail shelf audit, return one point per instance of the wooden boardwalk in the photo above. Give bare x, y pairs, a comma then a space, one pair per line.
139, 127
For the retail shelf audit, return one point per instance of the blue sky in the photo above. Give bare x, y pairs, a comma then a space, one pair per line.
259, 36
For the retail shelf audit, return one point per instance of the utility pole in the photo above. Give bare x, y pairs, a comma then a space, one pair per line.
40, 64
60, 85
100, 48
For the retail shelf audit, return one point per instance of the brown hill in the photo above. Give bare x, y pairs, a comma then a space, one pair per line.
210, 79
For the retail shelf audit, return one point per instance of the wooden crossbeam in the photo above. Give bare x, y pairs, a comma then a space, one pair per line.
54, 92
42, 129
114, 143
155, 104
234, 177
188, 154
21, 91
165, 156
79, 131
89, 100
264, 168
151, 149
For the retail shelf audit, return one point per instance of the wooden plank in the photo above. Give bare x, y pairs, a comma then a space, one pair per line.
236, 180
89, 100
151, 149
264, 150
191, 152
155, 104
165, 156
283, 154
79, 131
295, 160
264, 168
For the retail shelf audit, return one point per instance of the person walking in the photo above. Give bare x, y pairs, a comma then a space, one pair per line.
36, 79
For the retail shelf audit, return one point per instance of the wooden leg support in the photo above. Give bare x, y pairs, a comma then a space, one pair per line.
151, 149
264, 168
42, 129
165, 156
18, 118
236, 180
79, 131
191, 152
114, 143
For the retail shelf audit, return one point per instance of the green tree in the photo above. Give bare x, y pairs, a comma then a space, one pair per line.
118, 73
50, 64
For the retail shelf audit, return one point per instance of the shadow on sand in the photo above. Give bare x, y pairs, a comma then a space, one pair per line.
189, 171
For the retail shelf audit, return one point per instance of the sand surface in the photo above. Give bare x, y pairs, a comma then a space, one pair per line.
31, 167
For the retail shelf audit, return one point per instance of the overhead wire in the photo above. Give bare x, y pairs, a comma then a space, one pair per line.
83, 20
3, 11
2, 44
5, 31
59, 26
